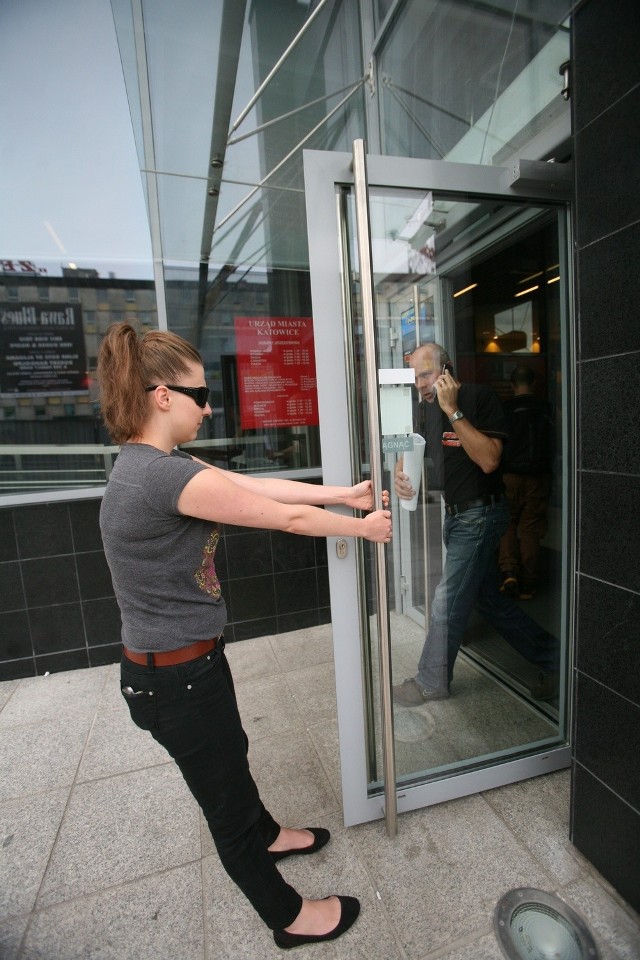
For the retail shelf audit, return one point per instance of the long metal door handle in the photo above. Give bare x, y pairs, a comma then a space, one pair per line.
371, 366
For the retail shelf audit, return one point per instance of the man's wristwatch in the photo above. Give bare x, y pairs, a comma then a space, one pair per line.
458, 415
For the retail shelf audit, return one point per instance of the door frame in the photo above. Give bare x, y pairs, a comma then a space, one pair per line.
325, 173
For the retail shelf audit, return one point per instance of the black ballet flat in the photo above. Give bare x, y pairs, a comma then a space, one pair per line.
350, 908
320, 838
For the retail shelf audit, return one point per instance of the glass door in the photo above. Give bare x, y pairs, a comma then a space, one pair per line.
405, 253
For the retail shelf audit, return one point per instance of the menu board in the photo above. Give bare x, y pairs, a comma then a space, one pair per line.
42, 349
276, 372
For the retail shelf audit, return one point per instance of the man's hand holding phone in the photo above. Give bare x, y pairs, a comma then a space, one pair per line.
446, 388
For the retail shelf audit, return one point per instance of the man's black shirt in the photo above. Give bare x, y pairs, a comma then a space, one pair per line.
451, 468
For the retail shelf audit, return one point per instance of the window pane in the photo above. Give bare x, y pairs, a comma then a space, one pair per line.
471, 82
50, 428
254, 330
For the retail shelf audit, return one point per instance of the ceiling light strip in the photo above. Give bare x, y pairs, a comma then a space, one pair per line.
471, 286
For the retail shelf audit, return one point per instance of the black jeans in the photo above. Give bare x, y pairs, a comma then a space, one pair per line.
191, 710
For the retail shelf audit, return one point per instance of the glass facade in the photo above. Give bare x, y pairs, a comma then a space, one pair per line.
75, 250
184, 207
223, 98
470, 82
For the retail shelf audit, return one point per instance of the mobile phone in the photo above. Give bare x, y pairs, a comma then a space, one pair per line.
447, 366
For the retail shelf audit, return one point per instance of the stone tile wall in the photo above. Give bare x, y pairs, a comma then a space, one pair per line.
58, 610
605, 823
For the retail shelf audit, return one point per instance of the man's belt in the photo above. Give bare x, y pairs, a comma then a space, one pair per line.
168, 658
454, 508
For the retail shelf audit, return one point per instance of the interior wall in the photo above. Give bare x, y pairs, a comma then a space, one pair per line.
605, 821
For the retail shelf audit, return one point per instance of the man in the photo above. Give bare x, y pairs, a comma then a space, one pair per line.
464, 427
526, 466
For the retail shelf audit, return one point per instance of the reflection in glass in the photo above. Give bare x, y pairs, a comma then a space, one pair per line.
53, 320
484, 280
466, 82
267, 423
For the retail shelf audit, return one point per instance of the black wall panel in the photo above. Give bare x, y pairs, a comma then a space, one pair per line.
605, 815
58, 611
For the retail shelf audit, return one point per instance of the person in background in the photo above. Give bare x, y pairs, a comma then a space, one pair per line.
464, 427
281, 447
526, 472
159, 522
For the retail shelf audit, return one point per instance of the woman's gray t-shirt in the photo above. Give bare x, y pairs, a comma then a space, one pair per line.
162, 563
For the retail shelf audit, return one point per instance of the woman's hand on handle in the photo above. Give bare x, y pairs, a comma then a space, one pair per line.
378, 526
361, 497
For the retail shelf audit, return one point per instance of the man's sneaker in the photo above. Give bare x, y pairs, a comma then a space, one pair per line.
510, 585
411, 694
546, 687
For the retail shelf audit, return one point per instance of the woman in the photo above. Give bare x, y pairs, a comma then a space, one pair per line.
159, 520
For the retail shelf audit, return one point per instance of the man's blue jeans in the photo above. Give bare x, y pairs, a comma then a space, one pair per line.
191, 710
470, 578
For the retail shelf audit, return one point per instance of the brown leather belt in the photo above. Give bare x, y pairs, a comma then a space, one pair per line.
168, 658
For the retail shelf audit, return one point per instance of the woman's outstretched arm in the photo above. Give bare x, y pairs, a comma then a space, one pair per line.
213, 495
358, 497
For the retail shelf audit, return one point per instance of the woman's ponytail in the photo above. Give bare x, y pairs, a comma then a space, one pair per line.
121, 379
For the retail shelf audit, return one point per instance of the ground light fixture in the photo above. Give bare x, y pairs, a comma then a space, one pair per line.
533, 925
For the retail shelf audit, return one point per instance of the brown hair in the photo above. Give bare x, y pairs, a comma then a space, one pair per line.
127, 364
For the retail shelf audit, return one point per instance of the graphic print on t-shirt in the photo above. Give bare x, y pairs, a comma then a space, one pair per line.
206, 576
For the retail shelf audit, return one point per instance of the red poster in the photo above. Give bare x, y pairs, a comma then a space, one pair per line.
276, 372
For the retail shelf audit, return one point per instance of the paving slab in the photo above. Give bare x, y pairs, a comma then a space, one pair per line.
119, 829
442, 875
11, 934
157, 917
267, 707
40, 756
28, 830
73, 693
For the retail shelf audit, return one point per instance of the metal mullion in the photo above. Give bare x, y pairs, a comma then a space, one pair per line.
153, 202
256, 96
284, 160
291, 113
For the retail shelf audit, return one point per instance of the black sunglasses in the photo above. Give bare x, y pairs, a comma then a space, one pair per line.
199, 394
